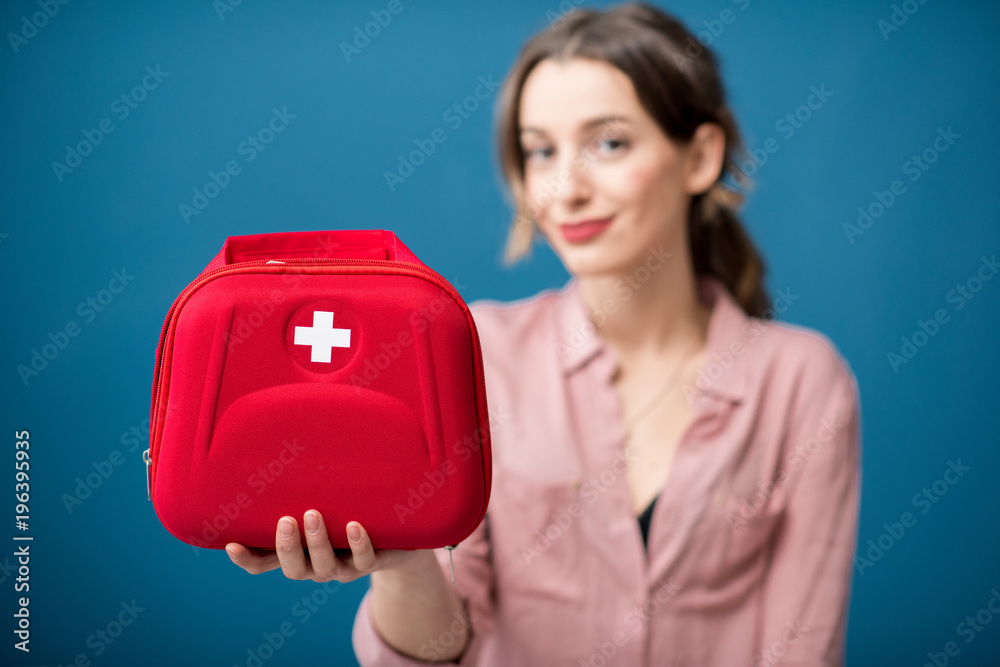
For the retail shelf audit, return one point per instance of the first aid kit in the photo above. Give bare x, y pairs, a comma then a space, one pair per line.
319, 370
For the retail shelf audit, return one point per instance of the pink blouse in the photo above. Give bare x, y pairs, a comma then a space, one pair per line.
751, 541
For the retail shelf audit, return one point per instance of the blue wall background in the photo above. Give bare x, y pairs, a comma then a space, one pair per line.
62, 237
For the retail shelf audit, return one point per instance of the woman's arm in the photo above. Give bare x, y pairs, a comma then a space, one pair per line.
412, 600
808, 587
412, 606
381, 624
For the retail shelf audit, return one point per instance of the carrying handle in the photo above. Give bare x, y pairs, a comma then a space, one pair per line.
378, 244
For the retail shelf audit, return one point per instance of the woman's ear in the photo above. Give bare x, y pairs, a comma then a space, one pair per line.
704, 158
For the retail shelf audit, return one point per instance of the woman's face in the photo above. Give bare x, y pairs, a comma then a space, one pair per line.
593, 154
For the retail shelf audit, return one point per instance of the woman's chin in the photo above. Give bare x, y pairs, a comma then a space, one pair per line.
593, 259
592, 263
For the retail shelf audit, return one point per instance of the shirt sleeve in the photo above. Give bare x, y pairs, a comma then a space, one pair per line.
807, 591
474, 584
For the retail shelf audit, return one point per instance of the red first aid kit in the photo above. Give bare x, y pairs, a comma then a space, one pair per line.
319, 370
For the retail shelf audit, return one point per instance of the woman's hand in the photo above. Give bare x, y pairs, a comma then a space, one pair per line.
322, 564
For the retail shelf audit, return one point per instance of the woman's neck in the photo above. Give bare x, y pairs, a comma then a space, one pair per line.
646, 314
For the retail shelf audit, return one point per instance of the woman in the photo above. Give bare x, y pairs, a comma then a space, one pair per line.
675, 475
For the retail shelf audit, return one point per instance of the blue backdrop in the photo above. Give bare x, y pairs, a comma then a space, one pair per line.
877, 207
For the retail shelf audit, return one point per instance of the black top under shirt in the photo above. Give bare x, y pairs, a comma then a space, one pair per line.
644, 518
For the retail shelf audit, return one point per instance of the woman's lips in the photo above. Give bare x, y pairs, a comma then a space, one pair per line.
582, 232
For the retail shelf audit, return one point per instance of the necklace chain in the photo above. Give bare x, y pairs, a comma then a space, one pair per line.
643, 411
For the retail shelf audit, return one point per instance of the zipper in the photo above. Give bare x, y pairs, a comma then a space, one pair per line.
149, 487
451, 559
238, 267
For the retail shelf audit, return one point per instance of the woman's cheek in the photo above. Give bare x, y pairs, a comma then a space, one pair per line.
536, 203
643, 174
653, 186
632, 183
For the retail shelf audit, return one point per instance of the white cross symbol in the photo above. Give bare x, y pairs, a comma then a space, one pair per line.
322, 336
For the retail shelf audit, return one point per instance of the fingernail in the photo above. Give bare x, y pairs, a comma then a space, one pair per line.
285, 527
231, 552
312, 522
353, 532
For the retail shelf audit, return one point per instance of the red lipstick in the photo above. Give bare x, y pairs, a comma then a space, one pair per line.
583, 231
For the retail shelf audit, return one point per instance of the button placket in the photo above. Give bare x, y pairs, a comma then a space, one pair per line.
603, 411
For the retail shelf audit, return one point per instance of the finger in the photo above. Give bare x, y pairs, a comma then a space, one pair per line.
324, 564
288, 546
361, 547
249, 561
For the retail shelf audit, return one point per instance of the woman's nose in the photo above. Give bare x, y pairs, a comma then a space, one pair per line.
574, 184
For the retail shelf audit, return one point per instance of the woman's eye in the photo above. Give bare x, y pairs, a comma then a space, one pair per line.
537, 153
611, 144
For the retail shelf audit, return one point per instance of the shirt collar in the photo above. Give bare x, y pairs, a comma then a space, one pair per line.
724, 371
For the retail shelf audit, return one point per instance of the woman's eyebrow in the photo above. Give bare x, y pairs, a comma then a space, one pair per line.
593, 122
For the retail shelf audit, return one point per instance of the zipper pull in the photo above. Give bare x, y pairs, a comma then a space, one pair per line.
149, 471
452, 560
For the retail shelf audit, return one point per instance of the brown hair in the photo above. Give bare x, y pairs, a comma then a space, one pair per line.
677, 82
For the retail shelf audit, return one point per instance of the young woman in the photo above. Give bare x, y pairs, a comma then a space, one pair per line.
675, 473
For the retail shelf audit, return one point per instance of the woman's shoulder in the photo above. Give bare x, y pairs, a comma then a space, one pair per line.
797, 346
770, 353
804, 360
520, 336
516, 323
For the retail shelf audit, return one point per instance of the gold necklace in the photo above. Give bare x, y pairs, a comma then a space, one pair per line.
631, 421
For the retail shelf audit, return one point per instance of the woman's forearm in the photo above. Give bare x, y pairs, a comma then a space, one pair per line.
413, 607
